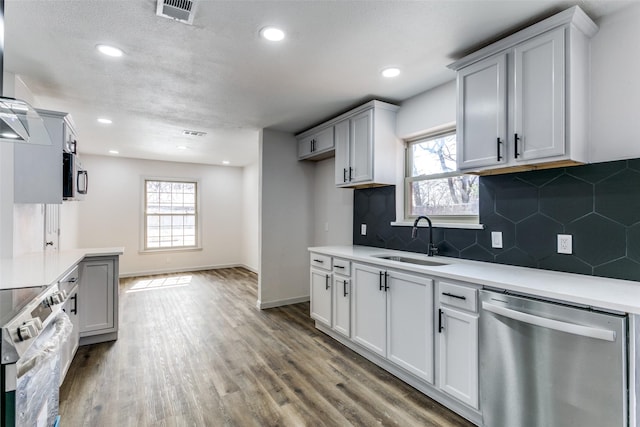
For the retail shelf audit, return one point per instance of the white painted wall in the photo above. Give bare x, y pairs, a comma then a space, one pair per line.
28, 228
286, 224
428, 111
70, 225
111, 214
615, 87
332, 207
250, 216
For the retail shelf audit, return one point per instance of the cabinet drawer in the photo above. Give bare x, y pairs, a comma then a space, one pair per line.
341, 266
321, 261
458, 296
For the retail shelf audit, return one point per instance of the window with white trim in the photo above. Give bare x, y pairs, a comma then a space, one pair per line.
170, 214
433, 185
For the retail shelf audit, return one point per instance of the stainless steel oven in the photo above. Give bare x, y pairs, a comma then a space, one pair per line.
33, 330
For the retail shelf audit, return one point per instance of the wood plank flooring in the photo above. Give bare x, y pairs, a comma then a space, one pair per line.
193, 350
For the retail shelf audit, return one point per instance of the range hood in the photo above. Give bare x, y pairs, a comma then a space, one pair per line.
19, 121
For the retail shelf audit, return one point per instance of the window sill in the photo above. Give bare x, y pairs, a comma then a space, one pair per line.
165, 250
469, 226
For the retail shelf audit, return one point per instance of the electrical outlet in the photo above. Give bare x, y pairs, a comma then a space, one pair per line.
363, 229
565, 244
496, 239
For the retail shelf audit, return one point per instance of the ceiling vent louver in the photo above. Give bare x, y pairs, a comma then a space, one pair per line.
179, 10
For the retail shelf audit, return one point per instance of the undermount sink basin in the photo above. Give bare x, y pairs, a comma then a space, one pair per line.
410, 260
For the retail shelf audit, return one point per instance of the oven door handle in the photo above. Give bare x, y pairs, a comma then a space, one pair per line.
570, 328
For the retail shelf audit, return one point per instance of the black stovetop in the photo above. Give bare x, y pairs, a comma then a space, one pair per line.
14, 300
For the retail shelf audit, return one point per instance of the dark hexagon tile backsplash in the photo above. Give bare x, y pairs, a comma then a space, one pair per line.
598, 204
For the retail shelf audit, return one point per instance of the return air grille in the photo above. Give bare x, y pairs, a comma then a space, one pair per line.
179, 10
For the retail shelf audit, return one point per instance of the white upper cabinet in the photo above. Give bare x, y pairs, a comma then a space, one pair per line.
364, 143
522, 101
316, 146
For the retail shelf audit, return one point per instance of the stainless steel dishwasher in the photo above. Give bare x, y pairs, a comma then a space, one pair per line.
544, 364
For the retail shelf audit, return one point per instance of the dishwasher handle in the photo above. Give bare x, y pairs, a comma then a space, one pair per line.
571, 328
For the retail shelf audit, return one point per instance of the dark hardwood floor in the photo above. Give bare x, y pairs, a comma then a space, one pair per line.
193, 350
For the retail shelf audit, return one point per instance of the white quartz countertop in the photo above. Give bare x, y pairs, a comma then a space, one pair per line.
45, 268
599, 292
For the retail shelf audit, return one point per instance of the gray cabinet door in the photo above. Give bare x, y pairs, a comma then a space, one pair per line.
97, 297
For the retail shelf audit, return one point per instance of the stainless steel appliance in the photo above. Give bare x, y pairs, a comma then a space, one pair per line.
32, 330
548, 364
75, 182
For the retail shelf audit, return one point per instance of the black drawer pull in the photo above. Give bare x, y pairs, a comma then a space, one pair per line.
318, 260
339, 266
462, 297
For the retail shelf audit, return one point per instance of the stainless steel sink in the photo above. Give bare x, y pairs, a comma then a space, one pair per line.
410, 260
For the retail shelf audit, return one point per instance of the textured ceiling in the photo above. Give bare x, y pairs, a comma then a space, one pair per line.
219, 77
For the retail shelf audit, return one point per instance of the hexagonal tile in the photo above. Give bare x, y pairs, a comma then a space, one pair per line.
633, 164
597, 240
618, 197
622, 268
486, 202
459, 238
515, 256
566, 198
516, 200
633, 242
477, 253
536, 236
541, 177
445, 249
566, 263
494, 222
596, 172
378, 203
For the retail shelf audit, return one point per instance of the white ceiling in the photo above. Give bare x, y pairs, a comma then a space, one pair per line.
219, 77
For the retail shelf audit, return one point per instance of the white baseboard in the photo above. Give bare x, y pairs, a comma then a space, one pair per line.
184, 270
279, 303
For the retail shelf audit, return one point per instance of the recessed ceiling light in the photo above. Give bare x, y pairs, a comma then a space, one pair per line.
105, 121
226, 162
272, 34
391, 72
114, 152
9, 135
109, 50
181, 147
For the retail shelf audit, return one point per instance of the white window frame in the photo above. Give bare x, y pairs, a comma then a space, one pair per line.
143, 216
439, 220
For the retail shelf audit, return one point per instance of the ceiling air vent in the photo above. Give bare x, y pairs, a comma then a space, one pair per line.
193, 133
179, 10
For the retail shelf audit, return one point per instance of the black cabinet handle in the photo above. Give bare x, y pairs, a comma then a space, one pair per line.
498, 148
350, 174
326, 282
440, 327
318, 260
386, 281
344, 174
462, 297
515, 141
74, 298
344, 288
380, 281
339, 266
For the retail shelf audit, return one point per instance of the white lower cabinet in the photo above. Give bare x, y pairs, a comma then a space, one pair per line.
70, 346
98, 295
321, 296
342, 297
458, 342
393, 317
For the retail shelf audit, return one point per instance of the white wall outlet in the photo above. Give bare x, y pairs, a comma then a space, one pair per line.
363, 229
565, 244
496, 239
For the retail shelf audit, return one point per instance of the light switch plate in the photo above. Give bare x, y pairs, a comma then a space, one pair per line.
496, 239
565, 244
363, 229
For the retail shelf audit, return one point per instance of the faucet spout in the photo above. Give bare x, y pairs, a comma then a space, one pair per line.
431, 249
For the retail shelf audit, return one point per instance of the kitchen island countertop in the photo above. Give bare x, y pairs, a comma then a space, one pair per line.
599, 292
39, 269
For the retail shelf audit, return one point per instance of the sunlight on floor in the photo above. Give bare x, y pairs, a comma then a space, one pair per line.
167, 282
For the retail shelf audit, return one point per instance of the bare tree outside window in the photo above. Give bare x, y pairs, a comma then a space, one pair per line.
434, 186
170, 214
